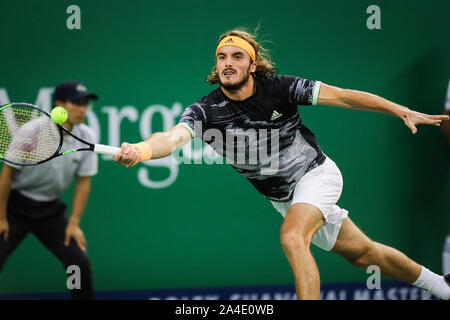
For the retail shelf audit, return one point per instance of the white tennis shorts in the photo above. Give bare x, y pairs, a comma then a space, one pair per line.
321, 187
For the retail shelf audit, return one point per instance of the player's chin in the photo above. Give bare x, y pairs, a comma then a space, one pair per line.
231, 84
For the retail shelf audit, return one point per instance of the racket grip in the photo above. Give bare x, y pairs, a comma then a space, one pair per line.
104, 149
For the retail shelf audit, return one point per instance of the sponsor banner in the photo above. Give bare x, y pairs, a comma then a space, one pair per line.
336, 291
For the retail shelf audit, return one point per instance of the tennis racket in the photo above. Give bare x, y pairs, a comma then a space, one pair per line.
28, 136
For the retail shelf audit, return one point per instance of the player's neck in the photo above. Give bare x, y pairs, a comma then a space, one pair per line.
244, 92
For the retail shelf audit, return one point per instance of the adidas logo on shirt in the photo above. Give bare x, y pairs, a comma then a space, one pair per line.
275, 115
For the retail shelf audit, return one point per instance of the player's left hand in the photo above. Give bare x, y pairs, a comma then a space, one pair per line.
413, 118
73, 231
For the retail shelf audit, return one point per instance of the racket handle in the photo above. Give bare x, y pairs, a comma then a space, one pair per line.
104, 149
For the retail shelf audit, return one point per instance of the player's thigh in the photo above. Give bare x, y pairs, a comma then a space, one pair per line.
18, 229
302, 220
351, 242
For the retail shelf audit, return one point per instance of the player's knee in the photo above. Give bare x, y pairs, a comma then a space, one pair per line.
292, 240
368, 254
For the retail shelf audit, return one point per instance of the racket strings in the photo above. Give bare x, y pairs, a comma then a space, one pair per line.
27, 135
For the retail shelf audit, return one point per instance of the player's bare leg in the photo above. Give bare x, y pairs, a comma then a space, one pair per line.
300, 224
360, 251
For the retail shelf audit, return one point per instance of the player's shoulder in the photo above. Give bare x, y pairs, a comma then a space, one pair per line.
276, 85
87, 133
277, 80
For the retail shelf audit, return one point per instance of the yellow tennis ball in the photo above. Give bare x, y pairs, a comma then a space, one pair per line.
59, 115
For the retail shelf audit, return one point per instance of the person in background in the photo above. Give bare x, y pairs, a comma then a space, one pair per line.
30, 195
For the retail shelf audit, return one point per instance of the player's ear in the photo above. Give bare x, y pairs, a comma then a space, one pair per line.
253, 67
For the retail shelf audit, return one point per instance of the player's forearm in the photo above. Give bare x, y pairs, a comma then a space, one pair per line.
4, 195
369, 102
158, 145
80, 196
164, 143
5, 189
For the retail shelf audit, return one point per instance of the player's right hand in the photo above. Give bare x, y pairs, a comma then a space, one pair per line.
128, 155
4, 229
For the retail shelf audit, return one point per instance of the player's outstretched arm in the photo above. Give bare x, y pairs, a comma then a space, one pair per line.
353, 99
158, 145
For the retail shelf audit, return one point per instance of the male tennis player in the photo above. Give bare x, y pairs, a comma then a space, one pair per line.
29, 196
300, 180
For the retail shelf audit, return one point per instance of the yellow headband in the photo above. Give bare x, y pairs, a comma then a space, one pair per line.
237, 42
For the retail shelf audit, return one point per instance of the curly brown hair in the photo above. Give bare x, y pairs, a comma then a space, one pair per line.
264, 65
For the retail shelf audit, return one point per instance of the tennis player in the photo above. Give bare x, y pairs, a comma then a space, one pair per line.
299, 179
29, 196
